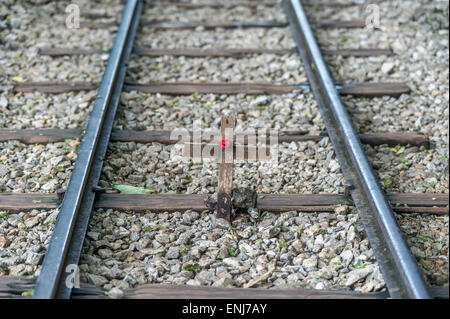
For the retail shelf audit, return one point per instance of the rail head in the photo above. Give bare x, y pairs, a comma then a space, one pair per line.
401, 273
70, 229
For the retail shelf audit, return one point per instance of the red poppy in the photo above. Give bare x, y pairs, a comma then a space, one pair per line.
225, 144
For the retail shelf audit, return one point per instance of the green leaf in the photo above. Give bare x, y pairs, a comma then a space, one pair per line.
398, 151
387, 182
359, 264
191, 267
127, 189
17, 78
422, 239
232, 252
28, 293
401, 150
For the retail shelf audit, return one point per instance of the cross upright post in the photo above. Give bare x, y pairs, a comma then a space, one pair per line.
225, 181
225, 148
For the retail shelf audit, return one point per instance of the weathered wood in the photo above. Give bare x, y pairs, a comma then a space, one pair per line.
12, 287
160, 25
393, 139
187, 6
28, 201
358, 52
418, 199
263, 24
154, 202
225, 178
216, 5
327, 3
238, 53
422, 210
166, 291
213, 52
184, 88
163, 137
93, 15
375, 89
270, 202
69, 51
32, 136
339, 24
281, 203
54, 87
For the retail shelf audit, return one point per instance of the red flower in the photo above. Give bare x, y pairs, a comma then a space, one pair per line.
225, 144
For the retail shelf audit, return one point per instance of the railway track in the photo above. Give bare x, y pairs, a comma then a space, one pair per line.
402, 276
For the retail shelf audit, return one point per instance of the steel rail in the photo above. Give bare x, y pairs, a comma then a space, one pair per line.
56, 277
401, 273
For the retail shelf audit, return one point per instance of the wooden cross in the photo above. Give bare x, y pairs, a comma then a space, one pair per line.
226, 148
225, 182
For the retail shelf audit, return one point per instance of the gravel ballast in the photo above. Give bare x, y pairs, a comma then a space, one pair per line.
25, 28
286, 69
307, 167
36, 110
42, 168
293, 111
24, 238
276, 38
287, 250
164, 256
174, 14
417, 33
